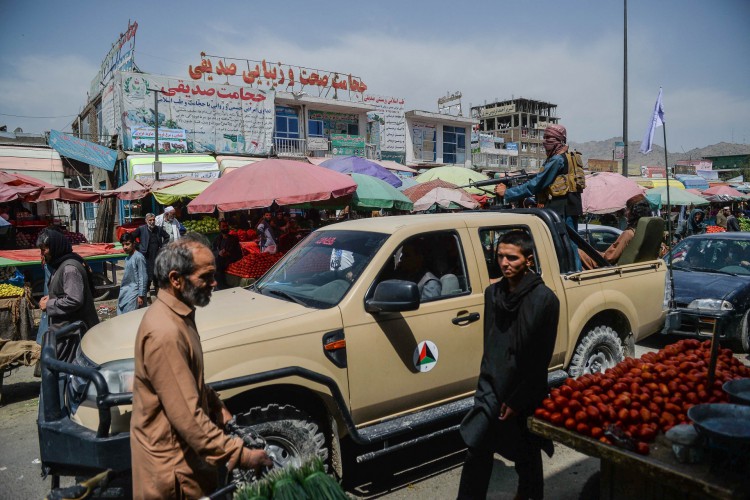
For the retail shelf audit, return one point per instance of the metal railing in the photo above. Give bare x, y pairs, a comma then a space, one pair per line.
283, 146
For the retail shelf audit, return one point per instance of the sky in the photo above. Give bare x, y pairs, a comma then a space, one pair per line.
569, 53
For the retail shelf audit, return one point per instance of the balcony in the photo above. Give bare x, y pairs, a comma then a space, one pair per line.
313, 146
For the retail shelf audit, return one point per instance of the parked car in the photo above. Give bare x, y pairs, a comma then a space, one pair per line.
712, 285
599, 237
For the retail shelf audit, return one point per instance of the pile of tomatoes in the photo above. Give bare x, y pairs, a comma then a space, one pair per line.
642, 397
253, 265
715, 229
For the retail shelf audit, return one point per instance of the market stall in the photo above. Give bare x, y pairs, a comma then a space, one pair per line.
635, 417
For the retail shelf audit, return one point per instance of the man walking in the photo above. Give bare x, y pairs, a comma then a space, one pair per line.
520, 327
151, 238
169, 223
176, 436
733, 224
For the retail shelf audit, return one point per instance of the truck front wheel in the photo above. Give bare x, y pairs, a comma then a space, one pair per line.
292, 436
599, 349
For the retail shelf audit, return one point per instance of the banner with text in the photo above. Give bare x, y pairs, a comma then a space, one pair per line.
214, 118
119, 58
390, 115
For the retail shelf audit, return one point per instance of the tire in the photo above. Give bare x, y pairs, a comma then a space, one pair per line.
292, 436
599, 349
742, 343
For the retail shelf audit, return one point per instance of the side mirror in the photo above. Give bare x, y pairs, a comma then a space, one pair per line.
394, 296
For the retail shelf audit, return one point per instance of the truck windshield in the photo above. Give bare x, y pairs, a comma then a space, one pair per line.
320, 270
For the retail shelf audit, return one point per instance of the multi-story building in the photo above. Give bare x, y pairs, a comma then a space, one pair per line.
520, 123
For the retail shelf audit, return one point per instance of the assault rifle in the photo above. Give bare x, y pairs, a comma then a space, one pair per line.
509, 178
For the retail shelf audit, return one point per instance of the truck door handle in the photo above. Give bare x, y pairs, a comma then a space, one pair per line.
465, 320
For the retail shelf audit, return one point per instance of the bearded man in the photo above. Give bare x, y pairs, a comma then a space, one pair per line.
176, 437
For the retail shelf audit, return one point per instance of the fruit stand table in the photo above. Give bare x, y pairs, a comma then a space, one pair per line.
101, 257
628, 475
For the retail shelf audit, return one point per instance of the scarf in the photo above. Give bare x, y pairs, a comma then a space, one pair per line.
510, 301
60, 249
555, 137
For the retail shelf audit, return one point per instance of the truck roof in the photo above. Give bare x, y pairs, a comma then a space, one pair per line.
393, 223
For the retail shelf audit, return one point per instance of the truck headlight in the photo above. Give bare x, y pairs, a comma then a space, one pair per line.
711, 305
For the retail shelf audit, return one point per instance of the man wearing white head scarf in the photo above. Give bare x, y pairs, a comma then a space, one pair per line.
168, 221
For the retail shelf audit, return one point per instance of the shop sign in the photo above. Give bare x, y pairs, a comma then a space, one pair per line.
351, 145
119, 58
317, 144
170, 140
278, 76
497, 111
512, 146
393, 125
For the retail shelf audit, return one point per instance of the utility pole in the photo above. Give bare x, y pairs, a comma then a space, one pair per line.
625, 93
157, 163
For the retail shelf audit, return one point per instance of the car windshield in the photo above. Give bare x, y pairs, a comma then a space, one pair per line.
712, 255
319, 271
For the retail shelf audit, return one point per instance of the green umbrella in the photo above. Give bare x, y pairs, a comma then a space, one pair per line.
375, 193
459, 176
186, 189
677, 196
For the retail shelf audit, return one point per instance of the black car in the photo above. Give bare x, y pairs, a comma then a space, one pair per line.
712, 287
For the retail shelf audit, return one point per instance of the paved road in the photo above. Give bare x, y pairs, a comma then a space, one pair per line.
430, 470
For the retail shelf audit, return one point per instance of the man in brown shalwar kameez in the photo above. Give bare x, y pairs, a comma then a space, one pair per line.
176, 436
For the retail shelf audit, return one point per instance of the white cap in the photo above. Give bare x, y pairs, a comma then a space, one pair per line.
168, 210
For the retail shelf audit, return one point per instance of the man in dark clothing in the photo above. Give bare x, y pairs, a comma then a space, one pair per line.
152, 238
520, 327
70, 288
733, 224
227, 250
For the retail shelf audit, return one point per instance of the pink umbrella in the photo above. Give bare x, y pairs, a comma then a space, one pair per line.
607, 192
263, 183
724, 190
9, 192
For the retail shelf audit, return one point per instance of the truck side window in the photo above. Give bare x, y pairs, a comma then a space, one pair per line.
434, 261
489, 238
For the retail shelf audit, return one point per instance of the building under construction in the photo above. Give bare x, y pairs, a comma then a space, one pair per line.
520, 123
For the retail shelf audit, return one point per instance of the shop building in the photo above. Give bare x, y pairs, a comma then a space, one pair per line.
520, 123
436, 139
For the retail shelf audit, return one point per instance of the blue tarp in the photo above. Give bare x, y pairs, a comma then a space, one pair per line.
693, 181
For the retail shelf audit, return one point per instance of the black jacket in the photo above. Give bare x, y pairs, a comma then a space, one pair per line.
144, 235
519, 337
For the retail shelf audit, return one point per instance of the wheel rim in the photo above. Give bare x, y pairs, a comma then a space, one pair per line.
282, 452
599, 361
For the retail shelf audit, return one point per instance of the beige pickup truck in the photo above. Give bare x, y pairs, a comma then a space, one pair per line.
333, 345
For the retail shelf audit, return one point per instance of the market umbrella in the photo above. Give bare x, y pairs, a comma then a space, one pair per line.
459, 176
263, 183
22, 180
724, 190
375, 193
187, 189
607, 192
407, 182
677, 196
416, 192
357, 165
67, 194
444, 198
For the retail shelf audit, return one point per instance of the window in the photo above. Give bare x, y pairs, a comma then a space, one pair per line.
89, 210
315, 128
423, 139
352, 129
490, 238
287, 123
454, 144
434, 261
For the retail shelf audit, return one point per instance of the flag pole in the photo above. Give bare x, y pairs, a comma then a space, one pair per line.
669, 221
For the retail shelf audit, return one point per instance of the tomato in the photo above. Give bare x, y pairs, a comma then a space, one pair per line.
593, 412
582, 428
581, 416
597, 432
570, 424
642, 448
556, 419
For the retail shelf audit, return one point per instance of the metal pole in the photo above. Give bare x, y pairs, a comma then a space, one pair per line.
669, 222
625, 93
156, 134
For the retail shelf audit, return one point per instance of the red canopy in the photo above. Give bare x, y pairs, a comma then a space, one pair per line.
68, 194
47, 191
21, 180
263, 183
135, 189
9, 192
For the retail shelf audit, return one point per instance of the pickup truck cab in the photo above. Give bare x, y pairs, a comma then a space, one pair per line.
333, 345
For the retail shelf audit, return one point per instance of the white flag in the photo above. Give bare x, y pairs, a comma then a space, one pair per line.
657, 120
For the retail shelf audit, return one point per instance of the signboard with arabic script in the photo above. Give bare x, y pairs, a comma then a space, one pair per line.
119, 58
170, 140
85, 151
215, 118
278, 76
349, 145
393, 128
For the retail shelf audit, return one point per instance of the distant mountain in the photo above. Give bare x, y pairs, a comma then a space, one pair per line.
602, 150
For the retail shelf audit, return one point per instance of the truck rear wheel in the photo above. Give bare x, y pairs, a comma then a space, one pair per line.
599, 349
292, 436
